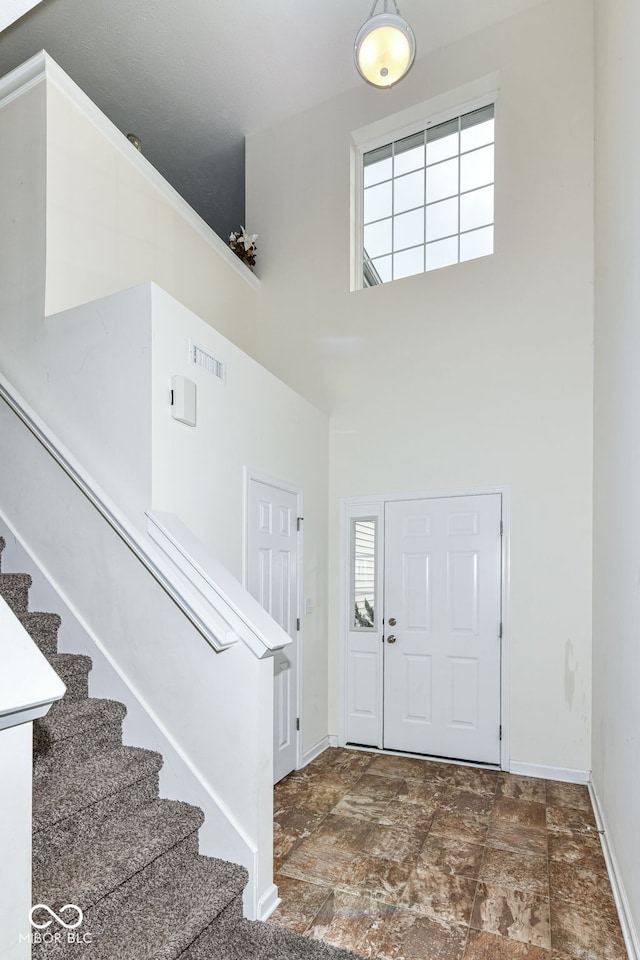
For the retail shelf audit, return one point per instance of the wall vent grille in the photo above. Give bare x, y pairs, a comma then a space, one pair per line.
200, 358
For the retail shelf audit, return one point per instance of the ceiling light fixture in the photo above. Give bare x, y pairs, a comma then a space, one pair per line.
385, 47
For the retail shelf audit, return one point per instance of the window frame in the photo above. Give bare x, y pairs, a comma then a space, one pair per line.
392, 129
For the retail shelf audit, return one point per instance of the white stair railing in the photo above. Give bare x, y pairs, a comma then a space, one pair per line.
210, 597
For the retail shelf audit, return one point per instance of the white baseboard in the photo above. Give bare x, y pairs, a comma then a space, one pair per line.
629, 932
333, 741
268, 902
315, 750
542, 772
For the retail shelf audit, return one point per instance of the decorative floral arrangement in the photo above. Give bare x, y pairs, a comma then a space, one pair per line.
244, 245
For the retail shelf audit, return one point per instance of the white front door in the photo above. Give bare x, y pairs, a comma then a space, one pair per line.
272, 578
442, 611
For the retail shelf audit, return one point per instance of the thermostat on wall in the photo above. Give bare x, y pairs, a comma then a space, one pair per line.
183, 400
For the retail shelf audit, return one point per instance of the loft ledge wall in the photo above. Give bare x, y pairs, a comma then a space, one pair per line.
112, 221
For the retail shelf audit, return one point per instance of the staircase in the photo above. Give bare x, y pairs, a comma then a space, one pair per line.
104, 840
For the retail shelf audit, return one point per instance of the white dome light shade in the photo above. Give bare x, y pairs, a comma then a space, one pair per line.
384, 49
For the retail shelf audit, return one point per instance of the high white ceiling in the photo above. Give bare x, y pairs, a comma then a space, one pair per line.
193, 77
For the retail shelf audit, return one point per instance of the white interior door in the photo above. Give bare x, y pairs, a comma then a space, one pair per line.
272, 578
442, 572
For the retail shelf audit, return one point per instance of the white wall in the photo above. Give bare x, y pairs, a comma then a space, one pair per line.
251, 420
113, 222
616, 609
96, 392
471, 376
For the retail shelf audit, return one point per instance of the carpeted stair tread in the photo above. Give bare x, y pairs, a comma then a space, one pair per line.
14, 587
112, 854
71, 789
43, 629
72, 730
161, 922
73, 669
66, 719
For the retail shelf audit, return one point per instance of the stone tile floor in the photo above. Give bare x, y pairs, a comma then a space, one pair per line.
408, 859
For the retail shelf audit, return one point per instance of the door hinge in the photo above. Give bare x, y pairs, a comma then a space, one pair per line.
501, 529
298, 624
299, 524
297, 723
501, 731
500, 633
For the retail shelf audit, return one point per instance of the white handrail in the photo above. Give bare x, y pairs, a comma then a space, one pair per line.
208, 610
248, 618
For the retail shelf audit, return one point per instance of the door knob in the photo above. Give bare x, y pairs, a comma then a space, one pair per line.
392, 621
391, 638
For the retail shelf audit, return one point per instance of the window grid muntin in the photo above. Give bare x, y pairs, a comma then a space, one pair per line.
436, 163
489, 112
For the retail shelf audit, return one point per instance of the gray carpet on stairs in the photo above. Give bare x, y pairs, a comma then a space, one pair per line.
104, 840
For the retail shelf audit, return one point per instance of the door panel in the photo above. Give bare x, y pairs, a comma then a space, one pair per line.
272, 578
363, 681
418, 689
442, 561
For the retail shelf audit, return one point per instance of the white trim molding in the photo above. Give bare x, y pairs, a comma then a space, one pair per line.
317, 749
629, 932
268, 902
544, 772
24, 78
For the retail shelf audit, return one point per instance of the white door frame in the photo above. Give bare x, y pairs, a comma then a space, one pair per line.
351, 507
250, 474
